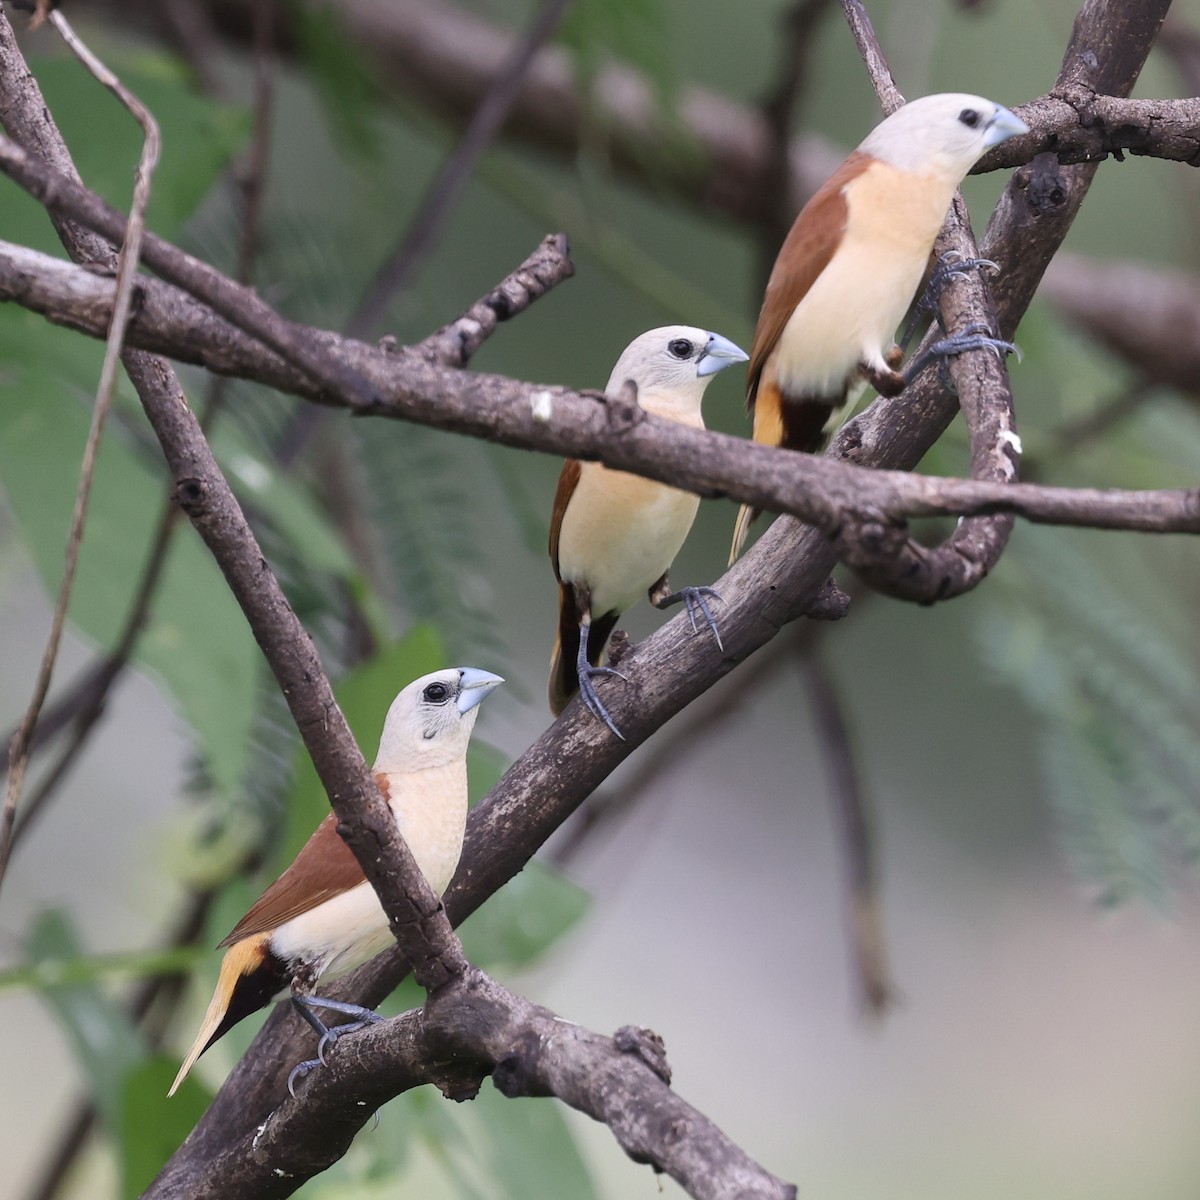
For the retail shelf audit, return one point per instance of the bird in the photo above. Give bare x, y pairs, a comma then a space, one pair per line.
321, 917
614, 535
850, 266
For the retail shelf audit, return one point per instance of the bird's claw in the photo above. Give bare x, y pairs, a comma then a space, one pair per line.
694, 598
951, 265
299, 1071
587, 690
331, 1035
975, 337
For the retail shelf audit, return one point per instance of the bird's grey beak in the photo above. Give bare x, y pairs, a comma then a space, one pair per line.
719, 353
1004, 124
474, 686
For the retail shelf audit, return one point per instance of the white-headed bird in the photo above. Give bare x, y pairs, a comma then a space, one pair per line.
321, 917
613, 535
850, 266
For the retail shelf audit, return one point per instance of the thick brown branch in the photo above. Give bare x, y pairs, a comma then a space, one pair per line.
836, 496
1077, 125
470, 1029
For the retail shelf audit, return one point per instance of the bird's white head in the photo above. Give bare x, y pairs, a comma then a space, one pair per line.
674, 360
429, 723
946, 133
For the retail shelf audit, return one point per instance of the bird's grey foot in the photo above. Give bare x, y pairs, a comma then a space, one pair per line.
694, 598
974, 337
299, 1071
587, 689
327, 1035
951, 265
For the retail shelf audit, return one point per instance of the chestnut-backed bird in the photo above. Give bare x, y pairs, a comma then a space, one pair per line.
849, 269
613, 535
321, 917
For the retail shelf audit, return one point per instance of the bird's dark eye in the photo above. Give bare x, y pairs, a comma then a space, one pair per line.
436, 693
970, 118
681, 348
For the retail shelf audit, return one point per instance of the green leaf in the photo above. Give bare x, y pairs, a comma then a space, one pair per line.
1116, 704
522, 920
197, 640
150, 1128
282, 501
105, 1043
198, 137
50, 971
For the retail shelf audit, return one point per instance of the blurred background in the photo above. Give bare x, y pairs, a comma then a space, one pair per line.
1028, 753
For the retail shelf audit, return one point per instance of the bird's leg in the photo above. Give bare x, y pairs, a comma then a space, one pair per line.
327, 1035
951, 265
662, 597
586, 673
884, 378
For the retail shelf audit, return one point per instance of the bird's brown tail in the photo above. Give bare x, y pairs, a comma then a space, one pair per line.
250, 976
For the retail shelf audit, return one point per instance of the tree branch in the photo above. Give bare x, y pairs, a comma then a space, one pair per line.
470, 1029
839, 497
446, 58
1150, 317
442, 194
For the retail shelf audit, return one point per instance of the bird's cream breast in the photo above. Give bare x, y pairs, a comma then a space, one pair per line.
851, 312
619, 533
346, 930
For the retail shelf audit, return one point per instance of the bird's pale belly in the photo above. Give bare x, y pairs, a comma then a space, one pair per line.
619, 534
346, 930
336, 936
850, 313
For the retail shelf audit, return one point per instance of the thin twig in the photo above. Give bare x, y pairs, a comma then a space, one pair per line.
864, 908
84, 702
443, 193
889, 94
162, 993
18, 753
433, 212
